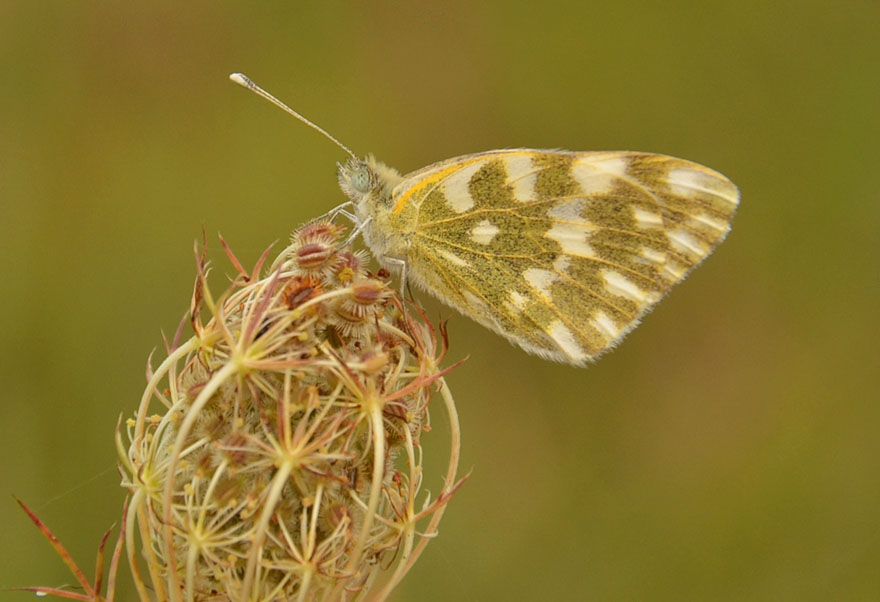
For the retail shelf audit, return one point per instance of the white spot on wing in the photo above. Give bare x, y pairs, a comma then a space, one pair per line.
452, 258
518, 301
688, 183
653, 255
522, 176
569, 211
540, 279
598, 177
647, 219
562, 263
455, 187
484, 232
566, 340
613, 165
618, 284
673, 271
685, 242
708, 220
572, 238
605, 325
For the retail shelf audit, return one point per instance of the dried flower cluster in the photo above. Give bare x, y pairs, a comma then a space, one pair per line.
276, 454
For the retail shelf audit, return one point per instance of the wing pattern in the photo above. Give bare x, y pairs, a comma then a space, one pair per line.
563, 252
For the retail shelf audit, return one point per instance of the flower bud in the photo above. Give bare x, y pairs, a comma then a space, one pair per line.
284, 461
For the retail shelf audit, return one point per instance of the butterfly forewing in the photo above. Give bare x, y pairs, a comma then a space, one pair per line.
561, 252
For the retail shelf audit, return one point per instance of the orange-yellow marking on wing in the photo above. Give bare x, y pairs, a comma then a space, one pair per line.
429, 181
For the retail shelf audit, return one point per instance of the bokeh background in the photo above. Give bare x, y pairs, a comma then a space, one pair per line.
728, 450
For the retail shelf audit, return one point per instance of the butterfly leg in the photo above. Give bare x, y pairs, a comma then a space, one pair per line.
401, 265
358, 225
354, 219
358, 228
339, 210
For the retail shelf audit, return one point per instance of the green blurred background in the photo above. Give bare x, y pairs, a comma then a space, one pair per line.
728, 450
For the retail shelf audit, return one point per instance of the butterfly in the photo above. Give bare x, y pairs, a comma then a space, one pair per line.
560, 252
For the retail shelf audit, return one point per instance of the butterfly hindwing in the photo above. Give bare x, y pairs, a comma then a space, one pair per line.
561, 252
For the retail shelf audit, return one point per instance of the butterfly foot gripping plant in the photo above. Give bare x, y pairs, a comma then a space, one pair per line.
276, 454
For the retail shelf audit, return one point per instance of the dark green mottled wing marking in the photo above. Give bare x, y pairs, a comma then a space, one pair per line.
563, 252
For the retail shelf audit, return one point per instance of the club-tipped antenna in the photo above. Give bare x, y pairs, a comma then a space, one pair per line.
243, 80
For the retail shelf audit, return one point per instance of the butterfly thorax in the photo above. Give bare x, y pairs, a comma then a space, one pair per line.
370, 186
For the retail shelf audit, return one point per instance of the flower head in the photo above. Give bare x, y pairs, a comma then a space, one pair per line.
276, 454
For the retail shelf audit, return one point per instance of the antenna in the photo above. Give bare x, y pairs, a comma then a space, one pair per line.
244, 81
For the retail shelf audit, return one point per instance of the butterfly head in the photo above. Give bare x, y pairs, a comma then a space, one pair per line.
356, 178
361, 178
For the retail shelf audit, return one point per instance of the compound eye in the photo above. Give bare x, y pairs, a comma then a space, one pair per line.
362, 179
